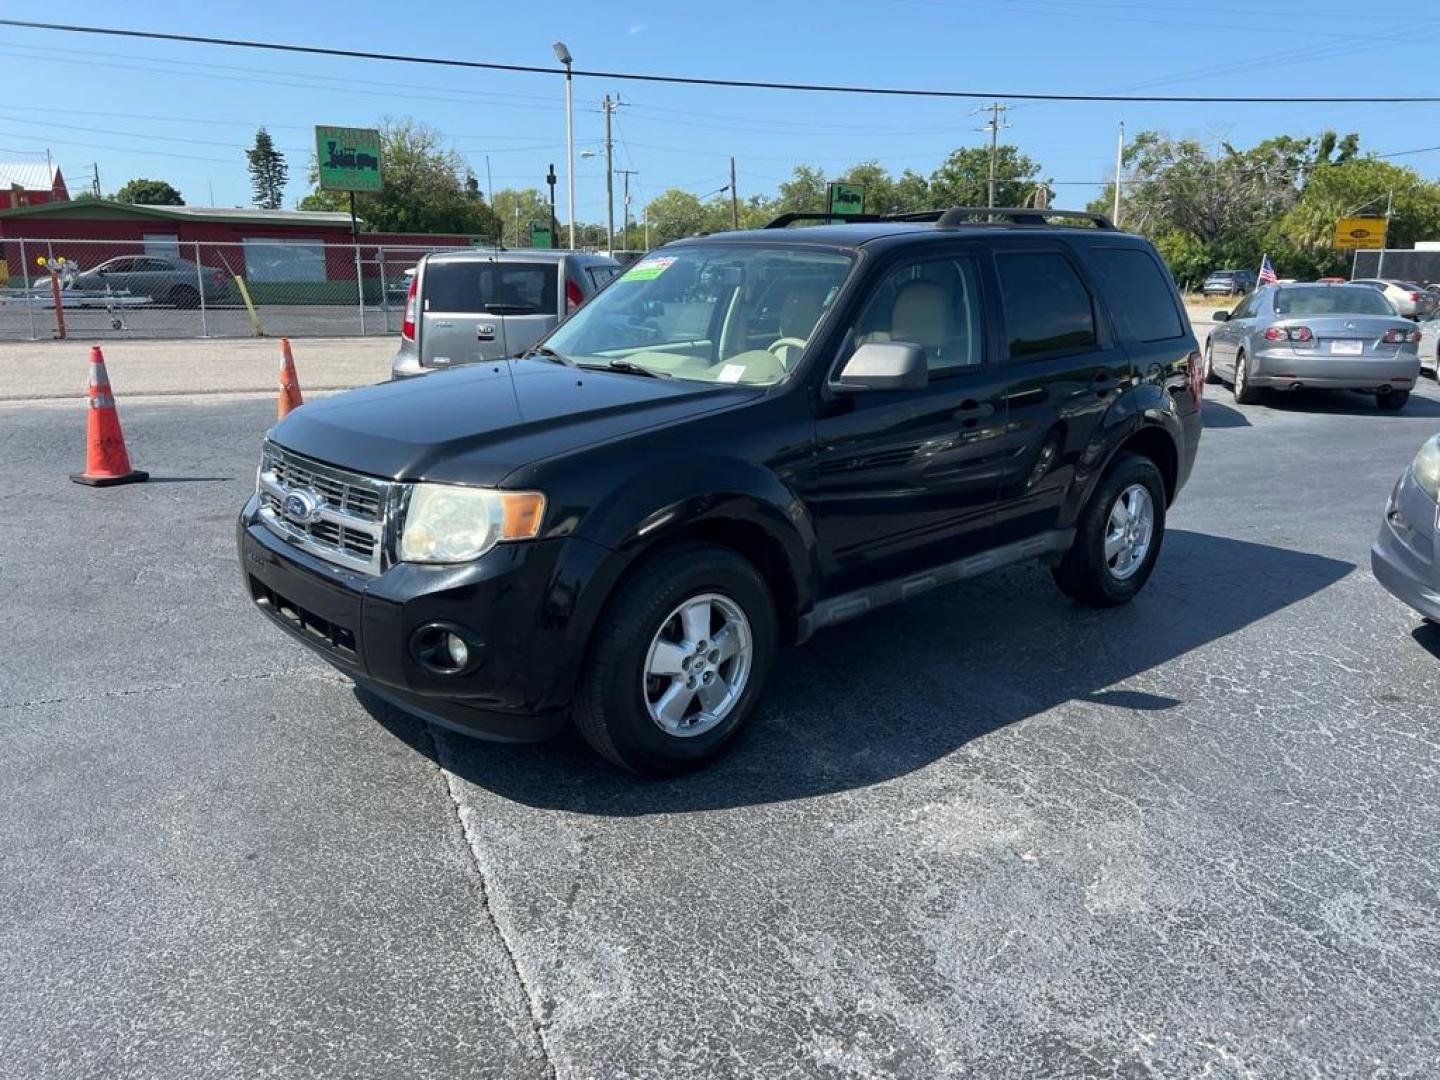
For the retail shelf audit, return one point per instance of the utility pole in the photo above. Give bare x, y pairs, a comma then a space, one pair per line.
95, 185
734, 199
1389, 209
490, 187
647, 226
609, 176
554, 225
1119, 164
625, 207
993, 125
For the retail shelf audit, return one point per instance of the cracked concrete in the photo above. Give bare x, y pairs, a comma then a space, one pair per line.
984, 834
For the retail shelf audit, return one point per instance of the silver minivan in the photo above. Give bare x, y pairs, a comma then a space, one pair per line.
466, 306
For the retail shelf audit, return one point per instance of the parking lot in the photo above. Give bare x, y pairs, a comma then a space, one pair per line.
19, 323
986, 832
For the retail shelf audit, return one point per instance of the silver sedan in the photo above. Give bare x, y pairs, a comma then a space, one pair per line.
1404, 556
1334, 337
1430, 346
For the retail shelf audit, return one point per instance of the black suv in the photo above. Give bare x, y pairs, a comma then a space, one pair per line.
744, 438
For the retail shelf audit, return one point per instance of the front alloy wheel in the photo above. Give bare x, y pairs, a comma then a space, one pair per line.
698, 665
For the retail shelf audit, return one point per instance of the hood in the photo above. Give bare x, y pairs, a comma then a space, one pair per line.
478, 423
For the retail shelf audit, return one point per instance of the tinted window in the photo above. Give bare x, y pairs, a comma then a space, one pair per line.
599, 275
934, 304
1139, 289
1246, 307
497, 288
1324, 300
1047, 308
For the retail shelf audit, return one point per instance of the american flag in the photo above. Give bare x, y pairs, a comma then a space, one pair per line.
1267, 271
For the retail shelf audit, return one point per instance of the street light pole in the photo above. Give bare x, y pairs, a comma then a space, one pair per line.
609, 178
563, 55
1119, 164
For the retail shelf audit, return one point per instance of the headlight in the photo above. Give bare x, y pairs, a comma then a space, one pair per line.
1426, 468
447, 524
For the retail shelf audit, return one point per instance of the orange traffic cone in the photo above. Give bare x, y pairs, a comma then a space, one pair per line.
289, 383
107, 461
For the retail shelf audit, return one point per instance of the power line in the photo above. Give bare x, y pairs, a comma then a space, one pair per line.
686, 80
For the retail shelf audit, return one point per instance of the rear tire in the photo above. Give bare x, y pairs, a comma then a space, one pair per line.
1393, 401
1087, 573
620, 703
1245, 394
1210, 377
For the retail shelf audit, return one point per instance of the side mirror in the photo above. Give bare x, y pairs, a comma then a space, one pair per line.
1221, 316
883, 365
653, 308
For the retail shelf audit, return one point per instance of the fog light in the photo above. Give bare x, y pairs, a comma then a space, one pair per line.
458, 651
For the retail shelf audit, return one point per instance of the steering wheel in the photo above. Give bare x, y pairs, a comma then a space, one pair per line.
780, 343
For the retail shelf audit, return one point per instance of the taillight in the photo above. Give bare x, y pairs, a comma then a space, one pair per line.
1400, 337
1274, 333
573, 297
407, 328
1416, 297
1301, 333
1195, 371
1413, 337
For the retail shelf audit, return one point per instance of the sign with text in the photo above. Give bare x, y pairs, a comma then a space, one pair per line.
540, 235
1365, 233
348, 158
847, 200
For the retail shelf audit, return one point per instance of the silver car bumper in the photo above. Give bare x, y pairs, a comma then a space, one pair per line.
1283, 368
406, 365
1403, 558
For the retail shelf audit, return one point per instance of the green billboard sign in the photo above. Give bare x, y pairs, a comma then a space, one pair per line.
349, 158
540, 235
847, 199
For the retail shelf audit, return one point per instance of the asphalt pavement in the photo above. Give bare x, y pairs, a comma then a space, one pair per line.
986, 833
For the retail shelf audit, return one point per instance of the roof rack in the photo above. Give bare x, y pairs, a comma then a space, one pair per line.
955, 216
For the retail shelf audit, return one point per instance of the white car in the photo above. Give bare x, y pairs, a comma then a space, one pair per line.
1429, 344
1410, 300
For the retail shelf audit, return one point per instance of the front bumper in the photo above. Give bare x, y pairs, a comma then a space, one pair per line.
1403, 558
515, 606
1282, 369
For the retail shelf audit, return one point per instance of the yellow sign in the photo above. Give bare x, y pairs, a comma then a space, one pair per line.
1367, 233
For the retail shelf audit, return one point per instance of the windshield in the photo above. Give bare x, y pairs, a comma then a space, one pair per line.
726, 313
1328, 300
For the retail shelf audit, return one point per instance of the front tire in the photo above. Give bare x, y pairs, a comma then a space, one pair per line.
678, 661
1393, 401
1245, 394
1118, 537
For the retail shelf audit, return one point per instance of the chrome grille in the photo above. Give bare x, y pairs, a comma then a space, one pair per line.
348, 525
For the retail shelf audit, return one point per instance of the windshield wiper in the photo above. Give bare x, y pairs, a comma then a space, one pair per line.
548, 353
628, 367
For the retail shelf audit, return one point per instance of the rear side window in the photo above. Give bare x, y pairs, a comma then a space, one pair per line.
1137, 287
489, 287
1047, 307
599, 275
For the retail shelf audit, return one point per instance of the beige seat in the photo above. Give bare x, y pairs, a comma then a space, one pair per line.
922, 316
799, 312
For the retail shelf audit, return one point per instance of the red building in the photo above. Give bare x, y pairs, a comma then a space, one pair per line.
279, 247
26, 183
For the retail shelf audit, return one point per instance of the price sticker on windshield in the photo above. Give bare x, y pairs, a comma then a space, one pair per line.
649, 269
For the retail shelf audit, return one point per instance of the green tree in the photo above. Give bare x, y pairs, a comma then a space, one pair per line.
963, 179
268, 172
517, 208
142, 192
805, 190
425, 190
676, 213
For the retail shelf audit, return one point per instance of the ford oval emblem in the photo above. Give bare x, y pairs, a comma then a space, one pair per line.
302, 506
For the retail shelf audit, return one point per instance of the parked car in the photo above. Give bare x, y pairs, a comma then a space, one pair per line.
397, 291
624, 524
1229, 283
163, 278
1337, 337
1429, 347
1404, 558
466, 306
1410, 300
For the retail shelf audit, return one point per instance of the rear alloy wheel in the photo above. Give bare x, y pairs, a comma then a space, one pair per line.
1210, 377
1394, 401
1118, 537
678, 661
1245, 394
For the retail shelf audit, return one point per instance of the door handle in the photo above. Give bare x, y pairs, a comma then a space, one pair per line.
971, 411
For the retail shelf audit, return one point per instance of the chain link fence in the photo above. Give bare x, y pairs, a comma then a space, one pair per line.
116, 289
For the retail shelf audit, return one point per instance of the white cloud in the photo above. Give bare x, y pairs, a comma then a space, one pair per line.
637, 28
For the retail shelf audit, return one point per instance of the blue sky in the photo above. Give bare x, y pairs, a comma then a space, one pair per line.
184, 113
